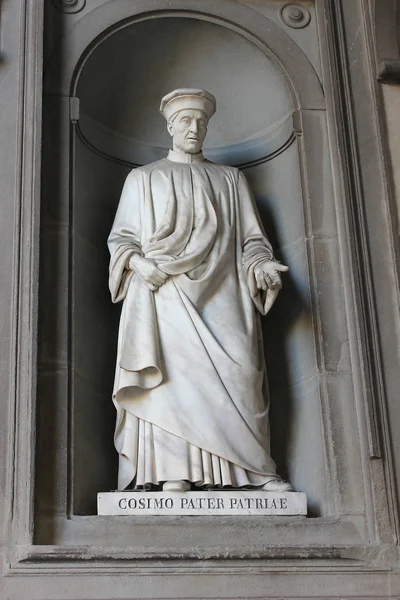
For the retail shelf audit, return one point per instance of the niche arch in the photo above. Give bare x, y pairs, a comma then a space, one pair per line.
95, 25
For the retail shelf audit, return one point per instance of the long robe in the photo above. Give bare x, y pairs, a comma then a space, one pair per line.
189, 386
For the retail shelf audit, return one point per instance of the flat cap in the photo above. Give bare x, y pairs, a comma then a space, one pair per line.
188, 98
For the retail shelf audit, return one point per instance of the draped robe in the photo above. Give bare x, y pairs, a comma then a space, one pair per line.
189, 386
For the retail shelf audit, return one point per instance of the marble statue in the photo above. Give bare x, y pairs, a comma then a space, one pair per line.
193, 267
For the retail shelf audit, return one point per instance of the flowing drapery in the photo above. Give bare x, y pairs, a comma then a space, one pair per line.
190, 358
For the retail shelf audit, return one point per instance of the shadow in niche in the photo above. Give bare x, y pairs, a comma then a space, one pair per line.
52, 363
276, 327
52, 348
98, 184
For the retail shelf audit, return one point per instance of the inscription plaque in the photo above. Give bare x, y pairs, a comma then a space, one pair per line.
221, 502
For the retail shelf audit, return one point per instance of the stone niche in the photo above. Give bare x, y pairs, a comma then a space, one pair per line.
119, 90
105, 72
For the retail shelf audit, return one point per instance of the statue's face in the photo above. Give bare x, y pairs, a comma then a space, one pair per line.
188, 131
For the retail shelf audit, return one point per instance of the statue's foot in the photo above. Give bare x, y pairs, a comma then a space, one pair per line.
176, 486
277, 485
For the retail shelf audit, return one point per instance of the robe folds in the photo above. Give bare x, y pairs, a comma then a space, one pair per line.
189, 386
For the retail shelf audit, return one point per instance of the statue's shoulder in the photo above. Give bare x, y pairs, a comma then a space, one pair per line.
221, 166
228, 169
144, 170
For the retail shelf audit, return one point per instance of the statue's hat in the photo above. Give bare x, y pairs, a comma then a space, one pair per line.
188, 98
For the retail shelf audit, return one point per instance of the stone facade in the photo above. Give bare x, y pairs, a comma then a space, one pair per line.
332, 180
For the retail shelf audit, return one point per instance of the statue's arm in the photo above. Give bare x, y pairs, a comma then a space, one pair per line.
260, 266
124, 239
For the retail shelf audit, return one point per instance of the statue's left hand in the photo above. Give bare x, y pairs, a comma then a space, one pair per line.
267, 275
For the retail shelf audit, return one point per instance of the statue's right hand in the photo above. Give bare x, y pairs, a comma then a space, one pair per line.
148, 271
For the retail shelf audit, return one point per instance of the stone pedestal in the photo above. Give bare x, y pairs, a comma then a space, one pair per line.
221, 502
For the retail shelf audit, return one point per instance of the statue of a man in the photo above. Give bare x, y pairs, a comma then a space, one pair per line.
191, 261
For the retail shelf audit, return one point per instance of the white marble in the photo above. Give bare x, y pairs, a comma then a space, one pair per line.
192, 265
238, 503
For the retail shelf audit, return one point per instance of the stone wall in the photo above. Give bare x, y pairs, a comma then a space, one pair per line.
327, 187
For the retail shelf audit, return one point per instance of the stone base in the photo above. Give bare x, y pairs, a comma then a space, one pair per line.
215, 502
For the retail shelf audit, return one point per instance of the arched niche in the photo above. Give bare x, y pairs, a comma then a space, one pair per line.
119, 90
93, 26
119, 114
95, 155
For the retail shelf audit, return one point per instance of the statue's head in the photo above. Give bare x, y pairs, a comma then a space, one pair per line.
187, 112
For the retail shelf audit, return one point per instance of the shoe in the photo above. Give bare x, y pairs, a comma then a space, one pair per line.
176, 486
277, 485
